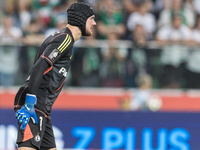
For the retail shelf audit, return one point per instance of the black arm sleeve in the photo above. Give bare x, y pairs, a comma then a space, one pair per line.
60, 47
53, 52
36, 75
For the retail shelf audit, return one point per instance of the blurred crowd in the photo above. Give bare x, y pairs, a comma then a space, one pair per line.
173, 24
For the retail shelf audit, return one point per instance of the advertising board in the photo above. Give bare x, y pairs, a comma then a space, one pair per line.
114, 130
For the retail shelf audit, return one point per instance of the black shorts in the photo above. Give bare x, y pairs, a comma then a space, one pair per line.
38, 136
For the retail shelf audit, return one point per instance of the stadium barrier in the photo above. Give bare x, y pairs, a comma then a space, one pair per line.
111, 99
151, 55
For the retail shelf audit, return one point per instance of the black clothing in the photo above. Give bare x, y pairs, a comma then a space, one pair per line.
37, 135
49, 71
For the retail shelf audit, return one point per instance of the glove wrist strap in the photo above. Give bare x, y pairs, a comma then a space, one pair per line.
31, 99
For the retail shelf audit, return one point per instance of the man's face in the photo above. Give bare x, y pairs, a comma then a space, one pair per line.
90, 23
177, 22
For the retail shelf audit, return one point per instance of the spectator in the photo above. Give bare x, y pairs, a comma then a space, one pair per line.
193, 61
143, 17
89, 64
172, 37
110, 19
158, 6
9, 36
139, 36
8, 7
59, 11
177, 6
136, 61
196, 4
33, 35
142, 99
164, 14
44, 12
112, 67
92, 3
61, 22
142, 94
130, 6
23, 14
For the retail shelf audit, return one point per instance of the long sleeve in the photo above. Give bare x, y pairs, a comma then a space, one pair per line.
36, 75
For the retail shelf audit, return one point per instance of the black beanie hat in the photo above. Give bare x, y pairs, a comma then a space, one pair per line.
78, 13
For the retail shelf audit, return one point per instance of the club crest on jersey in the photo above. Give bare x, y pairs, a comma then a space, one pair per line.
63, 71
54, 55
37, 138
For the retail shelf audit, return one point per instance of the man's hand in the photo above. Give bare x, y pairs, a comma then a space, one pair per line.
27, 111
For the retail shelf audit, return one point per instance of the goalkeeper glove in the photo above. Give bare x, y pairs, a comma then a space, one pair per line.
27, 111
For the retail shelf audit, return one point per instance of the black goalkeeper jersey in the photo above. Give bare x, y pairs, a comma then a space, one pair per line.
56, 50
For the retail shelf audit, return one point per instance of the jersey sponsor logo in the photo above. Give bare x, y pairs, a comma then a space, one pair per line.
54, 54
65, 43
63, 71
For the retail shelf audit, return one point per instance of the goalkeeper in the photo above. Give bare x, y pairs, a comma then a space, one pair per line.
34, 100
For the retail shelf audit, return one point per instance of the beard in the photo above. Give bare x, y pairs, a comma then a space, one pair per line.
88, 33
